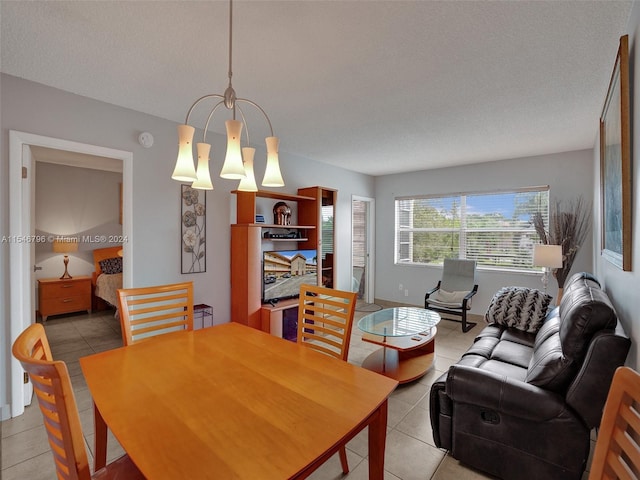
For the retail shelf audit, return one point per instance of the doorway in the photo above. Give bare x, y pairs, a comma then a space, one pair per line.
362, 251
22, 224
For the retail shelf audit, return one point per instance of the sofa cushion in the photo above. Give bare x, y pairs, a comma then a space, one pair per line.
483, 347
548, 367
508, 370
512, 353
519, 307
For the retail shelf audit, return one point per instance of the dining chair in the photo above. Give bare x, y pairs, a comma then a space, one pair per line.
325, 319
54, 392
617, 452
149, 311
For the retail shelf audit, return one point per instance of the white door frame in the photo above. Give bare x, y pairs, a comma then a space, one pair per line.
21, 304
370, 241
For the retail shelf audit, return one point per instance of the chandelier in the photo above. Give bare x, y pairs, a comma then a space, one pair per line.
238, 162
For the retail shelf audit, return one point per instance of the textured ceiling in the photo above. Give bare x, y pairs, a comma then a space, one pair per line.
377, 87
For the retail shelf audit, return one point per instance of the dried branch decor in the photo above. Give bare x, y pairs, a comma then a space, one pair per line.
569, 226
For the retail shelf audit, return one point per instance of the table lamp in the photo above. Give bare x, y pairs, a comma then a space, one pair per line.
548, 257
65, 245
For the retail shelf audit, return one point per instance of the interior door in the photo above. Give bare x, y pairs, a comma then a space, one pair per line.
362, 260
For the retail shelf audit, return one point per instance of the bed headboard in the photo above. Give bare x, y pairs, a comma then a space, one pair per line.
100, 254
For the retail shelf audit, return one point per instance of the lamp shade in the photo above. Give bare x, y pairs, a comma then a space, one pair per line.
248, 184
233, 169
65, 245
203, 182
185, 170
547, 256
272, 175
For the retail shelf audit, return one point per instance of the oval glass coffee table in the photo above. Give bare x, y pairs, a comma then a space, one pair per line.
407, 336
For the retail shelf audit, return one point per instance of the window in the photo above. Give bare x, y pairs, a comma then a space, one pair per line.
495, 229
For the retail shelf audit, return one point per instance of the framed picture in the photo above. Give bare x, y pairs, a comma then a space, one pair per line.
193, 229
615, 165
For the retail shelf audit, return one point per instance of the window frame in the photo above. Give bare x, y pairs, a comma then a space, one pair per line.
463, 231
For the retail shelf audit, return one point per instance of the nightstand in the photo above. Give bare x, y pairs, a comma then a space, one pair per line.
57, 296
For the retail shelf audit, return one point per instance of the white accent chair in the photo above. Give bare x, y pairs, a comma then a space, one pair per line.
453, 293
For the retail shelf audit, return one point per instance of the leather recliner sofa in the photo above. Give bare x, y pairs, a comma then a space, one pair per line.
521, 405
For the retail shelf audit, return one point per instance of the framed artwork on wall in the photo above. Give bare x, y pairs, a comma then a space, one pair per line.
615, 164
193, 230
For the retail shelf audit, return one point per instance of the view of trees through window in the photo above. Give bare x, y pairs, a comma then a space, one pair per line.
495, 229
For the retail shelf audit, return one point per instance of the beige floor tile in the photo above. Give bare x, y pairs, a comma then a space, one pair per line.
361, 472
450, 468
24, 445
39, 467
417, 424
30, 419
409, 458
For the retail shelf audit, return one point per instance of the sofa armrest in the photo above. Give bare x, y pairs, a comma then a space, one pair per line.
486, 389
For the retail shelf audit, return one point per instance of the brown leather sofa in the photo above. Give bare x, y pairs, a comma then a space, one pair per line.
520, 405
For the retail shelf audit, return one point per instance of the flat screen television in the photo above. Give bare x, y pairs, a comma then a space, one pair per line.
283, 271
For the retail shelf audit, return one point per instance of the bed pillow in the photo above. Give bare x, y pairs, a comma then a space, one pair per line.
519, 307
111, 265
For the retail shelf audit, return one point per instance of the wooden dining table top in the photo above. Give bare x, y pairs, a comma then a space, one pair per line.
229, 402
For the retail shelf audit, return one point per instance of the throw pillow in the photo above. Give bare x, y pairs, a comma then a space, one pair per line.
519, 307
111, 265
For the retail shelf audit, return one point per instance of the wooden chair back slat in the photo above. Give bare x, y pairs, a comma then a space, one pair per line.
617, 452
325, 319
149, 311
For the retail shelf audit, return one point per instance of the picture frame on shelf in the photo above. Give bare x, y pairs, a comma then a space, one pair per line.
615, 164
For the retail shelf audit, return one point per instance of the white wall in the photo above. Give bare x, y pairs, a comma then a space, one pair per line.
75, 202
42, 110
624, 287
567, 174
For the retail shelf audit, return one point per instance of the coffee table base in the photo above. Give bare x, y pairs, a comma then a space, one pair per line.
401, 364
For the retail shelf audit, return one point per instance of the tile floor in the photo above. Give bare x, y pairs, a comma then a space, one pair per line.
410, 453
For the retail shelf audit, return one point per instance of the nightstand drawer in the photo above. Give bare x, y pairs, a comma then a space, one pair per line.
54, 306
65, 288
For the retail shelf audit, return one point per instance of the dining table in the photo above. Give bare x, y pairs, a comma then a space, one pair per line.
232, 402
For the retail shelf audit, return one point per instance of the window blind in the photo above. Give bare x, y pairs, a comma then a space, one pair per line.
495, 228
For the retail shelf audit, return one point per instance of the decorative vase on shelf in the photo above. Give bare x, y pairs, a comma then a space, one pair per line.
281, 214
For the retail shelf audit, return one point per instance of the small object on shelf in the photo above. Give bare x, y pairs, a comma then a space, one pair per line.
290, 235
202, 316
281, 214
259, 218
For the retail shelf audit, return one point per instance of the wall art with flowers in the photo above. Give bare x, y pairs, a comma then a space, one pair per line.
194, 245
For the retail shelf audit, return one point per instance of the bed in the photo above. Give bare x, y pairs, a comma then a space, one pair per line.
105, 283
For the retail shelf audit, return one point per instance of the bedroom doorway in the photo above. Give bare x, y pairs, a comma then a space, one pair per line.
22, 224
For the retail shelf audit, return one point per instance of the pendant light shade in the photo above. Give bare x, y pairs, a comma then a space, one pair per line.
272, 175
185, 170
233, 169
248, 184
203, 182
